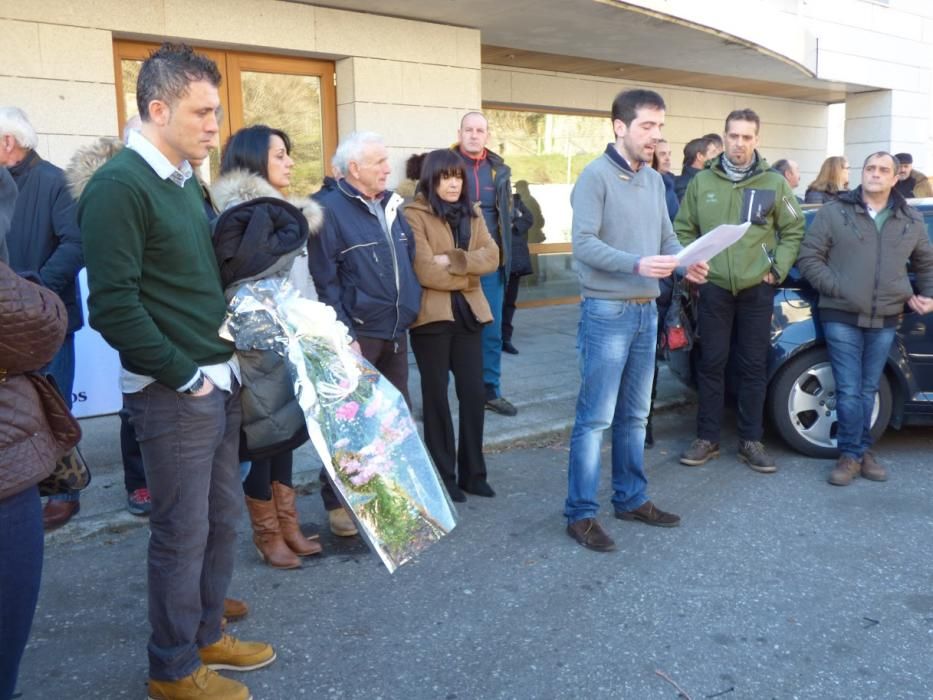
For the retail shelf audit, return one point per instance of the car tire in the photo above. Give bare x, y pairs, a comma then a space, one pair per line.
795, 408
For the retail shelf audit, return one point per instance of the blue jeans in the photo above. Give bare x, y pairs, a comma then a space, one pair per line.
21, 541
857, 356
493, 286
616, 343
62, 369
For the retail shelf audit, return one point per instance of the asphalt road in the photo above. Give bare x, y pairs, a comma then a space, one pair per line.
774, 587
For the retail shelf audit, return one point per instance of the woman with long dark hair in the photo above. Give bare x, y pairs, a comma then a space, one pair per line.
257, 163
452, 250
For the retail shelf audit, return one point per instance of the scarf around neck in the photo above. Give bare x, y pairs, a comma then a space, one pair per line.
735, 172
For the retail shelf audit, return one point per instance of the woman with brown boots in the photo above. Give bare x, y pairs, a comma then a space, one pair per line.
256, 165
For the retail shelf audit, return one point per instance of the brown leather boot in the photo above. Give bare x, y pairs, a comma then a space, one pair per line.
846, 470
284, 498
267, 537
871, 469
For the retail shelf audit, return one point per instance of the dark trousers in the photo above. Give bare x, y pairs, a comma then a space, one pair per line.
62, 370
508, 307
390, 357
21, 541
134, 475
460, 351
750, 310
190, 447
263, 472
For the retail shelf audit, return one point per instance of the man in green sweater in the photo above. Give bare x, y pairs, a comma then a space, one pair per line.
156, 297
735, 187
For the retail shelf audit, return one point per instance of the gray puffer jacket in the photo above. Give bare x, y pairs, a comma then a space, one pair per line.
860, 272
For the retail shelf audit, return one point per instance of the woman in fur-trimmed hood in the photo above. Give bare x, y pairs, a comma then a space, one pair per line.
258, 234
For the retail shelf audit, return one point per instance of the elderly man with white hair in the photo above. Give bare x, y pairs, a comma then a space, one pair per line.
361, 263
44, 243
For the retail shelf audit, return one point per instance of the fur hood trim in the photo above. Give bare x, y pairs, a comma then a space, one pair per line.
239, 186
87, 159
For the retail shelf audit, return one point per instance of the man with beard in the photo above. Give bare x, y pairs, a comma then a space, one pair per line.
623, 244
739, 186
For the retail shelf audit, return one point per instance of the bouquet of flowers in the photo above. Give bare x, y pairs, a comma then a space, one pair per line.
358, 422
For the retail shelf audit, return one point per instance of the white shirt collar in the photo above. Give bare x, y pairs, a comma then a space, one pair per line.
157, 161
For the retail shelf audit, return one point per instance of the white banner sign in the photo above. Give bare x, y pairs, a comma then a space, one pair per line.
97, 369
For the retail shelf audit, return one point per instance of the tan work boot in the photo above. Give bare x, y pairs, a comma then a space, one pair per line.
267, 537
284, 498
871, 469
203, 684
846, 470
231, 654
341, 524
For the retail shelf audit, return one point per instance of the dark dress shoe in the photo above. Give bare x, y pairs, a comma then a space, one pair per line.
591, 535
58, 513
480, 488
501, 406
509, 348
649, 514
456, 494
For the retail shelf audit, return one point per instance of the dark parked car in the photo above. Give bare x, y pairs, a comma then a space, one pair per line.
801, 402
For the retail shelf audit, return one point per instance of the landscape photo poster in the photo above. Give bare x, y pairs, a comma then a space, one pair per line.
358, 421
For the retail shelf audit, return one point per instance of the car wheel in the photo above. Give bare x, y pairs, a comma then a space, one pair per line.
802, 405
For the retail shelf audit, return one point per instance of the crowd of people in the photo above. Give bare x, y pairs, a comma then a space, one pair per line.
202, 434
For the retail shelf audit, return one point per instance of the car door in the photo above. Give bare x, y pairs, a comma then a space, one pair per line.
916, 334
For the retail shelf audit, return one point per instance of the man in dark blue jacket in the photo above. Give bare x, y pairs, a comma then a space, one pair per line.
489, 183
44, 243
361, 261
361, 264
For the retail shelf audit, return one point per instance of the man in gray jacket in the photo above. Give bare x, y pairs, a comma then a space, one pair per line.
855, 254
623, 243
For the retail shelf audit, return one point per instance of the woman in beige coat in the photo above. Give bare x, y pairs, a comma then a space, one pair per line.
452, 249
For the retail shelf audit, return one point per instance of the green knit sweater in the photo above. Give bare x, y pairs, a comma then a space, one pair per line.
155, 292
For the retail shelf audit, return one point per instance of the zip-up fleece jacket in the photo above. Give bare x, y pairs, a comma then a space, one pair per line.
713, 199
364, 274
502, 181
859, 271
619, 216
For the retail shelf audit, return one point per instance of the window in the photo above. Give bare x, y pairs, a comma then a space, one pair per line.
546, 152
292, 94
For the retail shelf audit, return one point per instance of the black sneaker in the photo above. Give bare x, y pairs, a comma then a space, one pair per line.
509, 348
501, 406
753, 453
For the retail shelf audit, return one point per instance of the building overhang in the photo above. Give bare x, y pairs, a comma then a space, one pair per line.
706, 46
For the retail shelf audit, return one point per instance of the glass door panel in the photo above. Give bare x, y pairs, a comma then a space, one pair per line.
296, 95
293, 104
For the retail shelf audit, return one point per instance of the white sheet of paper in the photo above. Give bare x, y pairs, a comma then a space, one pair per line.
712, 243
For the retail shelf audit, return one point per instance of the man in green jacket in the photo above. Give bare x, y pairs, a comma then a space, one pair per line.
855, 255
735, 187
